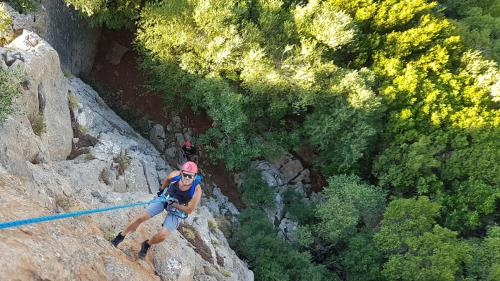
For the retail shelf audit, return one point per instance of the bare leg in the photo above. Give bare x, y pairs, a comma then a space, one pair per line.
159, 237
136, 222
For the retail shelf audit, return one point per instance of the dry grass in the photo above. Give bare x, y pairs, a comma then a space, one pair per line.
194, 238
123, 160
73, 101
37, 124
64, 202
83, 130
212, 225
224, 225
89, 156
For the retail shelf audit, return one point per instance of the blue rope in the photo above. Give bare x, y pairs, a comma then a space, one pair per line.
18, 223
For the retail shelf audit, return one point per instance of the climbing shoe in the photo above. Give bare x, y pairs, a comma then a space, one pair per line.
144, 249
118, 239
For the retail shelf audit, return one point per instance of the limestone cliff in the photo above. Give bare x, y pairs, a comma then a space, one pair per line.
88, 157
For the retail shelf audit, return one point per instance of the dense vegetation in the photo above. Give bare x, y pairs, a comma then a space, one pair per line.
398, 98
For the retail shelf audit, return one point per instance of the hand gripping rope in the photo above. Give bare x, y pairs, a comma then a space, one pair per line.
17, 223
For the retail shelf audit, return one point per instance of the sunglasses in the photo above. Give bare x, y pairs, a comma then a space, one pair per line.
189, 176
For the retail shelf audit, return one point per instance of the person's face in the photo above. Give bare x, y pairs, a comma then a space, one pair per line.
187, 178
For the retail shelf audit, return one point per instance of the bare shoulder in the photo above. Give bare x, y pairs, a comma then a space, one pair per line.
173, 174
198, 188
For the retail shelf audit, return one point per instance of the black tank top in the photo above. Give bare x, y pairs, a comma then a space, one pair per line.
182, 196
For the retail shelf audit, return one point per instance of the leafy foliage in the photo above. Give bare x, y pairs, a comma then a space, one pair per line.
485, 261
218, 63
361, 260
417, 248
296, 207
271, 257
348, 203
397, 92
110, 13
256, 193
10, 87
5, 21
23, 6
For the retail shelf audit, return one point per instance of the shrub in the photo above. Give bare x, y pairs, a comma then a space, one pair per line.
5, 21
296, 207
256, 193
349, 202
109, 13
10, 80
73, 101
23, 6
123, 161
38, 124
271, 258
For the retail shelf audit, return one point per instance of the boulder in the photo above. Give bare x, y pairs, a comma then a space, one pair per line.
36, 21
157, 137
289, 166
49, 88
115, 53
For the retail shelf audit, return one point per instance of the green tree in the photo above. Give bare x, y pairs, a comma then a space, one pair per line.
110, 13
435, 255
271, 257
416, 247
485, 261
256, 193
362, 261
348, 203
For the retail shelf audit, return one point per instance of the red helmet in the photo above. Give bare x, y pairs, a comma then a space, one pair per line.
188, 143
190, 167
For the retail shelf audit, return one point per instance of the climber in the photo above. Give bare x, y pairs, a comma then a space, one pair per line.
189, 151
185, 187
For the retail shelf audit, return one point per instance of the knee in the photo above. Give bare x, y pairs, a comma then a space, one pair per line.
163, 234
142, 217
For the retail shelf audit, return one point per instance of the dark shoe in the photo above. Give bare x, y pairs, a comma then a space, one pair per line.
118, 239
144, 249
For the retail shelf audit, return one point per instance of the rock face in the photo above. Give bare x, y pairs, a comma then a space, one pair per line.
284, 174
66, 31
72, 37
44, 101
115, 166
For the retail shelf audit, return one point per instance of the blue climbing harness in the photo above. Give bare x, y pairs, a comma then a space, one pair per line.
178, 195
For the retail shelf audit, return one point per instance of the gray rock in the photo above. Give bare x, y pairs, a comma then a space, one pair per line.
41, 63
157, 137
179, 139
76, 248
115, 53
11, 57
289, 166
3, 65
287, 229
40, 158
270, 174
170, 152
36, 21
176, 124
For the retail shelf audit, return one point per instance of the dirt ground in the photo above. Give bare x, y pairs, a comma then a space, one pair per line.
121, 85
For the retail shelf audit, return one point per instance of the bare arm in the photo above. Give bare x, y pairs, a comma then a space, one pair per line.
169, 178
191, 206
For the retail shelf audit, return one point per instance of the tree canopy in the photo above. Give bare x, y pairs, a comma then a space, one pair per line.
399, 100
